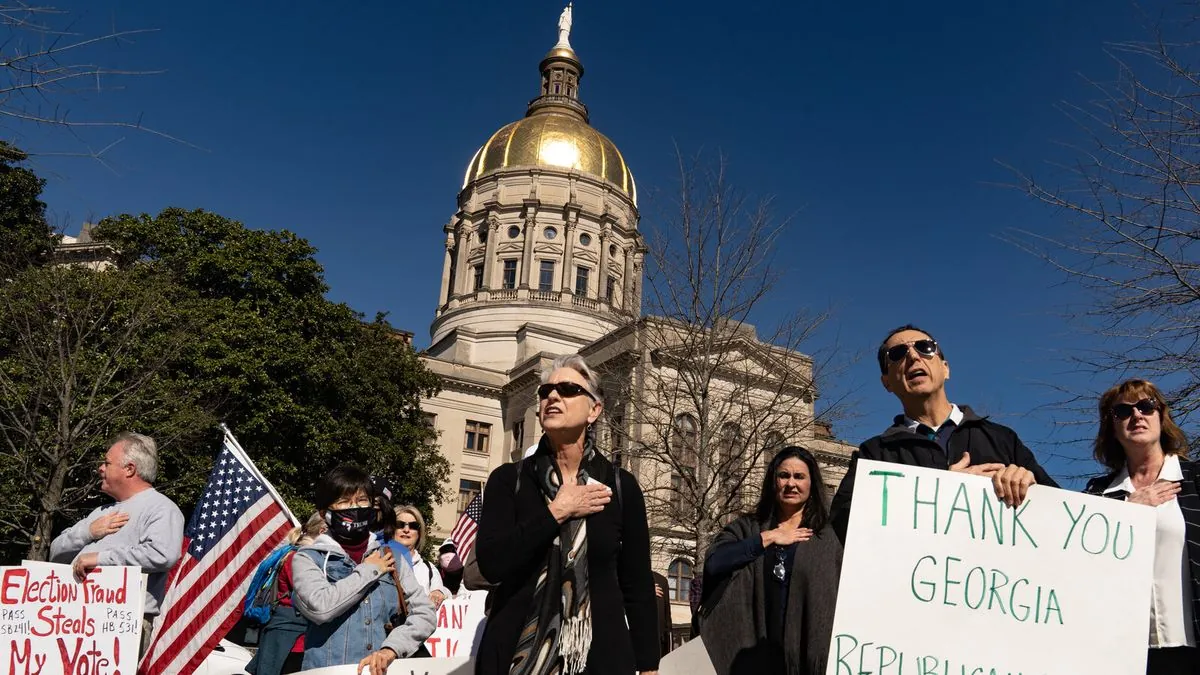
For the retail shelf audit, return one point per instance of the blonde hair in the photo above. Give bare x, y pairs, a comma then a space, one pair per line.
415, 513
306, 533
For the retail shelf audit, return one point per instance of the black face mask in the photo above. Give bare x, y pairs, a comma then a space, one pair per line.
350, 525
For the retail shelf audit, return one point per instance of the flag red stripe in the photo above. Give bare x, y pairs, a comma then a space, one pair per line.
185, 596
184, 600
189, 643
212, 585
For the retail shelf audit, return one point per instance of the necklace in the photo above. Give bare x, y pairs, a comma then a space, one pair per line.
780, 571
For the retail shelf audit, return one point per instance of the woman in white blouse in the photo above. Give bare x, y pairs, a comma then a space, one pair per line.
1146, 454
410, 531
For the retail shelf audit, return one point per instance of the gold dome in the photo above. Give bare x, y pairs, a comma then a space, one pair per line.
557, 141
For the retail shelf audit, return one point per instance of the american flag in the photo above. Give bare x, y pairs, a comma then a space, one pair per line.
238, 521
463, 535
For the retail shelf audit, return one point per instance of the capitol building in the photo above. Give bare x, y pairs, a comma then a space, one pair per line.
543, 257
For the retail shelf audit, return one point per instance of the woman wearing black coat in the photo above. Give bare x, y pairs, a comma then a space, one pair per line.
1146, 455
771, 577
569, 548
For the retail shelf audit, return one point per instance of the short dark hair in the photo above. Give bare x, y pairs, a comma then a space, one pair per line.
881, 355
343, 481
815, 512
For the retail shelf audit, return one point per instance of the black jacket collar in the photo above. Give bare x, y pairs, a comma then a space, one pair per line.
899, 431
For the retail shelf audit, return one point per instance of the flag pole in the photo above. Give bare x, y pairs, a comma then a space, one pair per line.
240, 453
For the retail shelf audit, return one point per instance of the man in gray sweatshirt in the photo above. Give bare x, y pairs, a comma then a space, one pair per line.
142, 527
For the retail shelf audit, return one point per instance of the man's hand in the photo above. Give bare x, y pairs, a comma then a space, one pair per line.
1158, 492
84, 563
658, 591
437, 597
1012, 483
107, 524
378, 661
964, 466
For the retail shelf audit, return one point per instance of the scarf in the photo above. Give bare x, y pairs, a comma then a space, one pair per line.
559, 623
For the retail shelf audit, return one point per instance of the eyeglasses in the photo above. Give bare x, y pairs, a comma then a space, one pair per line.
408, 525
1124, 411
924, 348
564, 389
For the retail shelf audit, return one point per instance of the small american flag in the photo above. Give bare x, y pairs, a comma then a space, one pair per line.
468, 523
238, 521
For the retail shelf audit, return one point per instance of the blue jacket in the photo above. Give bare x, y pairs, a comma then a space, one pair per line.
347, 606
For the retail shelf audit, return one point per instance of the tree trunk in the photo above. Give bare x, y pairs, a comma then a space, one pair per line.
43, 531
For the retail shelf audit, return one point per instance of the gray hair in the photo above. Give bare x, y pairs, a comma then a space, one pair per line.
575, 362
140, 451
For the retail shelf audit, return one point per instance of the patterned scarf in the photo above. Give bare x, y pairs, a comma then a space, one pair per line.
560, 620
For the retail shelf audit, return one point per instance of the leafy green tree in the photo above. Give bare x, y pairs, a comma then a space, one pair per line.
83, 355
304, 382
25, 236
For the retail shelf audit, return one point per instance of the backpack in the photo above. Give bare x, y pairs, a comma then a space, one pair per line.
263, 594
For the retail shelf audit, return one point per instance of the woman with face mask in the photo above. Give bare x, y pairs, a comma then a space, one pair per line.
363, 608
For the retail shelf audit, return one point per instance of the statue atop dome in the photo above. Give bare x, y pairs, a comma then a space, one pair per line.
564, 28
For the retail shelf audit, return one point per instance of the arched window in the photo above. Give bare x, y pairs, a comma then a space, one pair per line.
684, 440
679, 580
774, 443
730, 446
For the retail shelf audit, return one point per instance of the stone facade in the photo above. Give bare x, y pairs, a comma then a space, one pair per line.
543, 257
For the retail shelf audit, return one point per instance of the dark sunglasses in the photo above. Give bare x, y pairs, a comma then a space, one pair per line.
564, 389
924, 348
1124, 411
408, 525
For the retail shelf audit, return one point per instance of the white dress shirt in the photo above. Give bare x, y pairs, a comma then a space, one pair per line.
956, 416
1171, 594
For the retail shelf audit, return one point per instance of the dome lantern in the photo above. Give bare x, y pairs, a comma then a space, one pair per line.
555, 132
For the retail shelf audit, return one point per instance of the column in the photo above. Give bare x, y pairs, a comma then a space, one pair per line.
626, 281
527, 255
464, 276
489, 258
602, 273
635, 281
566, 280
444, 296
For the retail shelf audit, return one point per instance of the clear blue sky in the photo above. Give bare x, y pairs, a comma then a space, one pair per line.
878, 124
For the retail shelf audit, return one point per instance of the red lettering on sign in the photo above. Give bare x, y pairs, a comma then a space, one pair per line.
11, 582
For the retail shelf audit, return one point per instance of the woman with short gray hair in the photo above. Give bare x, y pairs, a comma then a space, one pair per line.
564, 535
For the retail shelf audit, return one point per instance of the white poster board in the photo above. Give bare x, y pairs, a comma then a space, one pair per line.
691, 658
459, 626
459, 666
50, 624
939, 576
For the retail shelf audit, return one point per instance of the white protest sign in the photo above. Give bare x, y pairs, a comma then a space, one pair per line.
458, 666
51, 624
689, 659
459, 624
940, 577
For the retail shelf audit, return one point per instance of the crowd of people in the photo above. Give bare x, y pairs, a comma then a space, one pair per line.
563, 543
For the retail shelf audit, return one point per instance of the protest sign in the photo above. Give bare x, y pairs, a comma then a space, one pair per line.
51, 625
940, 577
459, 625
689, 659
459, 666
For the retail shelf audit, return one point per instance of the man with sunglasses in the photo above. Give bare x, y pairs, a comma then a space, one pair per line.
933, 432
